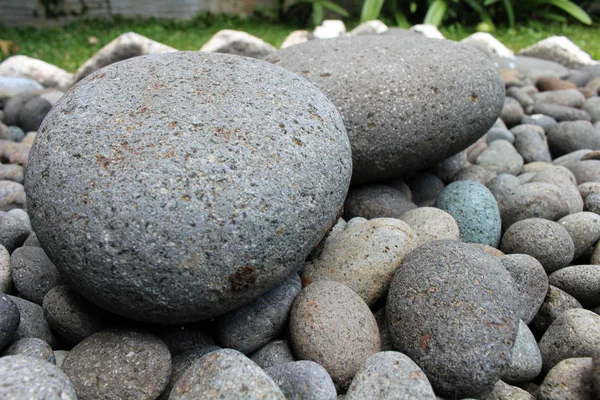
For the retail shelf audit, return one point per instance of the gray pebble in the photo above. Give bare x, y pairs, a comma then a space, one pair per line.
424, 187
581, 282
474, 173
446, 169
499, 134
60, 356
12, 232
9, 319
12, 172
504, 391
33, 273
390, 375
332, 325
185, 339
364, 257
17, 133
561, 113
512, 112
13, 106
71, 316
575, 333
225, 374
276, 352
555, 303
596, 372
565, 97
526, 360
570, 379
567, 137
544, 121
32, 322
429, 224
584, 228
376, 201
522, 96
547, 241
119, 363
592, 107
252, 326
592, 203
23, 377
400, 185
564, 179
531, 281
5, 271
501, 157
32, 113
451, 309
31, 347
32, 240
303, 380
531, 143
586, 171
475, 210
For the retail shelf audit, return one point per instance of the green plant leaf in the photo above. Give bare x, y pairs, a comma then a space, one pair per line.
572, 9
436, 12
510, 12
488, 3
318, 13
552, 16
413, 7
371, 10
336, 8
483, 15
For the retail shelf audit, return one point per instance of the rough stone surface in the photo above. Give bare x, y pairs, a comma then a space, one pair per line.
581, 282
424, 187
376, 201
575, 333
238, 43
184, 338
303, 380
429, 224
547, 241
364, 257
531, 281
451, 309
561, 50
32, 322
23, 377
70, 315
390, 375
31, 347
512, 112
250, 327
446, 169
475, 210
332, 325
555, 303
584, 228
276, 352
125, 46
119, 364
372, 77
501, 157
474, 173
531, 143
12, 231
9, 319
225, 374
33, 273
488, 44
565, 180
5, 271
218, 214
569, 379
504, 391
526, 360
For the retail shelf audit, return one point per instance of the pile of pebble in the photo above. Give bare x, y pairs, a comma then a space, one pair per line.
411, 218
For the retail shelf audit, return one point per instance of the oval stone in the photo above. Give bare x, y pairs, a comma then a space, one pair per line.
408, 102
187, 184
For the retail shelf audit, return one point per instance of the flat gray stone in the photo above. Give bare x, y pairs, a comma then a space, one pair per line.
188, 212
581, 282
399, 96
390, 375
303, 380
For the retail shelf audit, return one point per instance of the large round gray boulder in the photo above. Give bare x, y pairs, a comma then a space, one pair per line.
187, 184
408, 102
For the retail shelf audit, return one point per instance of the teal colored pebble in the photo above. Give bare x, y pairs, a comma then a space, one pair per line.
475, 210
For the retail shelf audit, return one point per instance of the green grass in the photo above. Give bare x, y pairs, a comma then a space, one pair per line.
68, 47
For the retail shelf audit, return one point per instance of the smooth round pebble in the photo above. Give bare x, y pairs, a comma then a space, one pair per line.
376, 201
569, 379
71, 316
451, 309
575, 333
252, 326
592, 203
564, 179
570, 136
530, 142
31, 347
504, 391
474, 173
225, 374
581, 282
9, 319
512, 112
531, 282
13, 232
429, 224
32, 113
544, 121
555, 303
24, 377
586, 170
5, 270
560, 112
190, 211
32, 322
547, 241
60, 356
474, 209
185, 338
12, 194
119, 364
526, 360
33, 273
499, 134
331, 325
390, 375
304, 380
566, 97
584, 228
276, 352
363, 257
424, 187
501, 157
446, 169
596, 371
